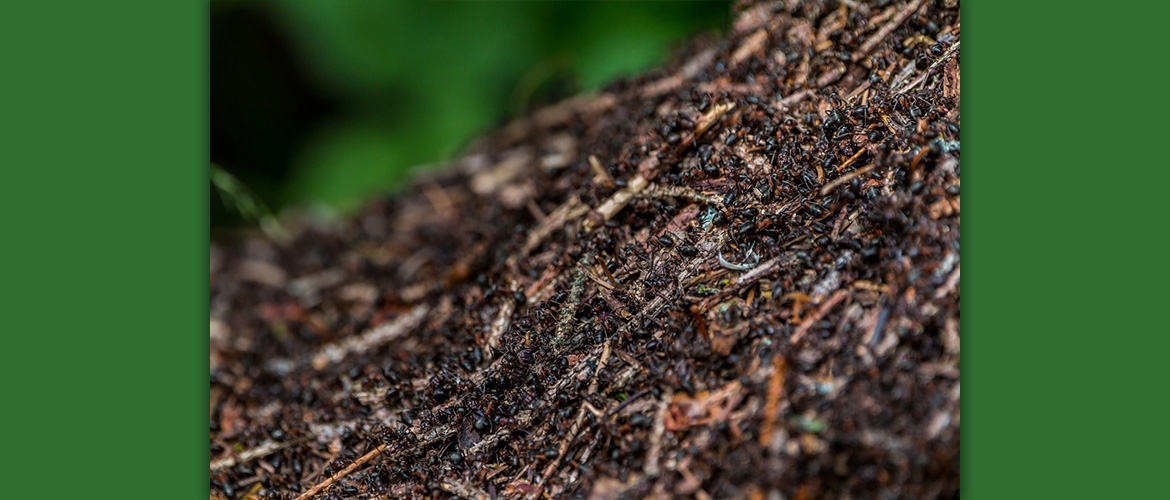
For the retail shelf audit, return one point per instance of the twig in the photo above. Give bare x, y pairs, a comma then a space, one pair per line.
952, 281
368, 341
751, 45
654, 456
371, 339
659, 191
572, 434
599, 172
608, 275
710, 118
463, 489
808, 322
344, 472
500, 325
569, 309
794, 98
775, 396
833, 184
851, 159
918, 81
885, 31
689, 70
568, 211
620, 199
268, 448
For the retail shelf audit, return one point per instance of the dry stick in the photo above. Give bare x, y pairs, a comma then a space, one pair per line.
833, 184
463, 489
851, 159
620, 199
428, 439
527, 416
557, 114
652, 468
608, 275
569, 210
808, 322
775, 396
689, 70
267, 448
647, 170
367, 341
563, 449
570, 308
371, 339
600, 174
889, 27
952, 281
794, 98
749, 278
500, 325
750, 45
344, 472
317, 431
709, 119
921, 78
659, 191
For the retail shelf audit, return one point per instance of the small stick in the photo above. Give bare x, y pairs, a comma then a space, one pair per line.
885, 31
599, 172
918, 158
463, 489
851, 159
775, 395
807, 324
886, 120
563, 449
569, 210
751, 45
344, 472
659, 191
652, 468
710, 118
620, 199
500, 325
833, 184
952, 281
605, 268
794, 98
570, 308
373, 338
918, 81
266, 448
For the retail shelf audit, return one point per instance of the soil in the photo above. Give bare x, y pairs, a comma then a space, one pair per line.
733, 277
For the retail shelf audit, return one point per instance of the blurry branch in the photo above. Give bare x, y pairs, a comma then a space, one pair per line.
236, 196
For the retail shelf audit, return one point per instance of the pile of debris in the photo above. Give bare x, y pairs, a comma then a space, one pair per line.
737, 276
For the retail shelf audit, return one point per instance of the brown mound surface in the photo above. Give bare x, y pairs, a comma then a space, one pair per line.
733, 277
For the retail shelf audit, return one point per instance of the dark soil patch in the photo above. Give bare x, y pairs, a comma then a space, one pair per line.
734, 277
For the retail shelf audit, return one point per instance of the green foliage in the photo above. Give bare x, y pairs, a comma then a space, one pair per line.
415, 80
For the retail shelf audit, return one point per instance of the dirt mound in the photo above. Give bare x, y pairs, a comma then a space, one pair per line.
737, 276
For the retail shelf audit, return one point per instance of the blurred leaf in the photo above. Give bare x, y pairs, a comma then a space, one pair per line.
416, 80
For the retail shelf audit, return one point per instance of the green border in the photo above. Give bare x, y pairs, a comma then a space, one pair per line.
105, 225
1064, 173
104, 276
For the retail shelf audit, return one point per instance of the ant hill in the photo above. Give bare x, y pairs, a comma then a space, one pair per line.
736, 276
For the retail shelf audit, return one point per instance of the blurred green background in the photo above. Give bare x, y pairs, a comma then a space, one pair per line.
324, 103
